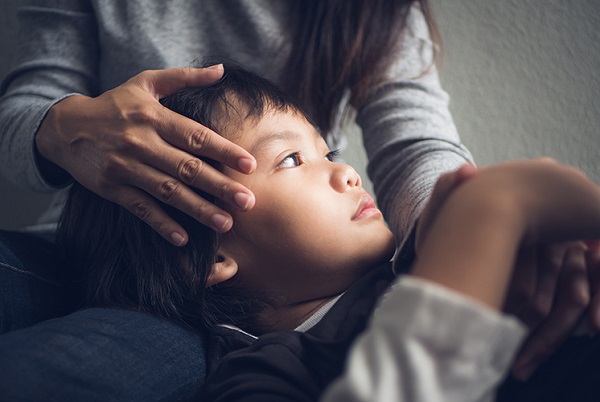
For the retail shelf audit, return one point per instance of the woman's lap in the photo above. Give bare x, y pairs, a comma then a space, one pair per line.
30, 288
50, 352
101, 354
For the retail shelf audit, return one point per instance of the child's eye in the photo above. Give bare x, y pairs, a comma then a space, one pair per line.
292, 160
333, 156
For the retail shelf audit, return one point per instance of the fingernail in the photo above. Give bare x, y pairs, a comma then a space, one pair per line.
246, 165
220, 222
177, 239
242, 200
216, 67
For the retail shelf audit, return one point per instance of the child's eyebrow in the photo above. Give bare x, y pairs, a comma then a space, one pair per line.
270, 138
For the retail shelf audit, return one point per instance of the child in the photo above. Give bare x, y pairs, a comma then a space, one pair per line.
305, 267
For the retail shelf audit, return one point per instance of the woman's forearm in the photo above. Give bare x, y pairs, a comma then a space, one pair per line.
57, 56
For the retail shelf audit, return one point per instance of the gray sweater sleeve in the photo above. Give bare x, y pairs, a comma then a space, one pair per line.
57, 58
408, 132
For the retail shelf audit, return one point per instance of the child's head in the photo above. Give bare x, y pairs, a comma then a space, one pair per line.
312, 232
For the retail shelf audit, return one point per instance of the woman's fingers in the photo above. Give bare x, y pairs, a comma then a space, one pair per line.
161, 83
181, 174
179, 194
549, 260
572, 297
592, 256
178, 156
147, 209
522, 290
170, 176
192, 172
153, 185
185, 133
192, 137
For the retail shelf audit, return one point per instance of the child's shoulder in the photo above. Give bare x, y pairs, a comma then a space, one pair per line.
299, 362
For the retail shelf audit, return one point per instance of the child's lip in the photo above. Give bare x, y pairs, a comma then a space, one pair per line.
366, 204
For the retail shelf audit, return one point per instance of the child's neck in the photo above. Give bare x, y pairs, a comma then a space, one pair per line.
289, 317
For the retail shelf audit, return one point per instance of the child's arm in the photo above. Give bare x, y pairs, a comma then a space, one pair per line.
431, 342
487, 220
551, 285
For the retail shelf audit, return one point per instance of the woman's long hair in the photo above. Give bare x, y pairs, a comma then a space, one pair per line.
345, 44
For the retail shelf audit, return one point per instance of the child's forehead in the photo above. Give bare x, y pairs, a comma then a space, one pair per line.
273, 125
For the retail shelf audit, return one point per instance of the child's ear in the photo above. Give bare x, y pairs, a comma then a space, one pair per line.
225, 268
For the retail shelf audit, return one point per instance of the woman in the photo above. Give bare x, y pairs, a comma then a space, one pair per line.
114, 137
290, 270
380, 52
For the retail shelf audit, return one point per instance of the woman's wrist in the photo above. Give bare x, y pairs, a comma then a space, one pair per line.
48, 143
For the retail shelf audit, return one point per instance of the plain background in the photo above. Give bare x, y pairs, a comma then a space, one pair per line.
523, 76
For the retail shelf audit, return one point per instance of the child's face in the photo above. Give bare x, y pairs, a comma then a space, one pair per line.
313, 230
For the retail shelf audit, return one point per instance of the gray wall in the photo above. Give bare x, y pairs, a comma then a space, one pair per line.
522, 75
524, 78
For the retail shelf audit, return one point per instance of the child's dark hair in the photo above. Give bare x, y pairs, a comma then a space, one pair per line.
122, 262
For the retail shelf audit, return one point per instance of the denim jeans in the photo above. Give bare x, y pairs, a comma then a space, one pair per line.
30, 288
50, 352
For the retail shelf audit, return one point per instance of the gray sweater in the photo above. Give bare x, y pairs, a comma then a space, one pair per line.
88, 47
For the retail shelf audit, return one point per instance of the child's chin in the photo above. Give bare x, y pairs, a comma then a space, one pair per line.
382, 251
388, 247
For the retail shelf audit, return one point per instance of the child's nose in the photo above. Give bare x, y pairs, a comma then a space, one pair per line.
344, 176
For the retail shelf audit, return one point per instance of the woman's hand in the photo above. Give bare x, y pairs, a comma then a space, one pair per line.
549, 293
592, 259
128, 148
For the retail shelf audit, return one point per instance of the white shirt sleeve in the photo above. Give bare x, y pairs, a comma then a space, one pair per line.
428, 343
